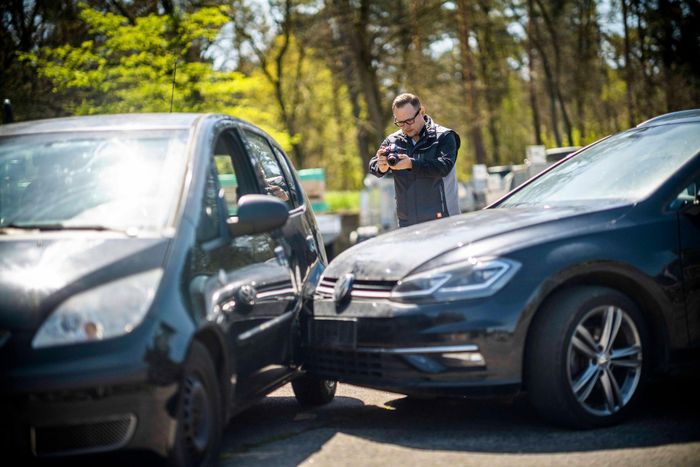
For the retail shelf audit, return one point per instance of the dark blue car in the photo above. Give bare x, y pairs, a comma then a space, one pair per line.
576, 287
153, 269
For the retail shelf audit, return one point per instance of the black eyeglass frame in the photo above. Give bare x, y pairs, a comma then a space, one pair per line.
408, 121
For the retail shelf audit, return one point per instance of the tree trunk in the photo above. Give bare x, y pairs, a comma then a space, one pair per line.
556, 77
347, 70
359, 48
469, 82
488, 61
628, 67
549, 78
536, 125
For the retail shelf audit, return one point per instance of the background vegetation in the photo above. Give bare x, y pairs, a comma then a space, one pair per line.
320, 75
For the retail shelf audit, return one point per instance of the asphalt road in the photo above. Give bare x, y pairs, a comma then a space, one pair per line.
368, 427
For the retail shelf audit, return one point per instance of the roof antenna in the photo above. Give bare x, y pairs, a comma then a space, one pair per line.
172, 93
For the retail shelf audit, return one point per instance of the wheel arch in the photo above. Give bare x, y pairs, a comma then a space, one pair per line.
215, 345
650, 300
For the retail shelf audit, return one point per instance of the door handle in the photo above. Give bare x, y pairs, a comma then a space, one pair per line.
311, 242
281, 256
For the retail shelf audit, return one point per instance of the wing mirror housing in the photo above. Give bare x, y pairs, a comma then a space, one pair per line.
692, 209
257, 214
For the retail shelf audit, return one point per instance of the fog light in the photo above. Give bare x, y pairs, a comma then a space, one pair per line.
463, 359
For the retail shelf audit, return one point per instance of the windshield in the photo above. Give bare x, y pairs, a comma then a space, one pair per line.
628, 166
122, 180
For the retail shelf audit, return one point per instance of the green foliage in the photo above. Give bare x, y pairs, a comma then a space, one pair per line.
343, 201
130, 68
320, 76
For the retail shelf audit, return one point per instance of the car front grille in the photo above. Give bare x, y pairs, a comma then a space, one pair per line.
97, 436
357, 365
360, 288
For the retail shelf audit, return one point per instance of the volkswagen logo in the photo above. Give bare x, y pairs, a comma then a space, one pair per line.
343, 288
247, 295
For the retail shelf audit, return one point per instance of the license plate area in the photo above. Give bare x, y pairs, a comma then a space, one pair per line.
335, 333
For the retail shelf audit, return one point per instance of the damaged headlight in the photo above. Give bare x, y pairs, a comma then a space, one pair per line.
109, 310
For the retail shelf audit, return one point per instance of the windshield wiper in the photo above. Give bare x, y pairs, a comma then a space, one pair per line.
48, 227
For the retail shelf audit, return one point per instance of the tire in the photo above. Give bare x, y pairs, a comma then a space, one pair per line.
199, 424
311, 391
586, 357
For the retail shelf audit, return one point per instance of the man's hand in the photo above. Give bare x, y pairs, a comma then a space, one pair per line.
382, 163
403, 163
274, 190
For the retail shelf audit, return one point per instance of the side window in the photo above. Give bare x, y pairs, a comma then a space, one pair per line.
223, 162
227, 182
222, 187
291, 179
268, 170
210, 222
688, 196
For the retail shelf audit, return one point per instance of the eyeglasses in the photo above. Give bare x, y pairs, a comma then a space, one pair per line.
408, 121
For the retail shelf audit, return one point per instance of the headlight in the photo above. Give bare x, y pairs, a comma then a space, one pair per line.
474, 278
110, 310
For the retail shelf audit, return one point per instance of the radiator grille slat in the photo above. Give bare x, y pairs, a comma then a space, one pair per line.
360, 288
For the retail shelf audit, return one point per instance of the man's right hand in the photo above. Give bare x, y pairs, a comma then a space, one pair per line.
382, 163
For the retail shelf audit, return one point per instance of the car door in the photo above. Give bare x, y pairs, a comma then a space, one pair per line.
250, 284
276, 179
689, 233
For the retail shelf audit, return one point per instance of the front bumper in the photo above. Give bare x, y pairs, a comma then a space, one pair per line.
459, 348
87, 398
91, 420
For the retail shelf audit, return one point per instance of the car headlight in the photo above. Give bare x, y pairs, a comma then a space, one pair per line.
109, 310
473, 278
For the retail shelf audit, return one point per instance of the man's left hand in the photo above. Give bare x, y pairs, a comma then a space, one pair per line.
404, 163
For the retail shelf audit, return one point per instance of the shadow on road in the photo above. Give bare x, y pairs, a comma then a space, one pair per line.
669, 414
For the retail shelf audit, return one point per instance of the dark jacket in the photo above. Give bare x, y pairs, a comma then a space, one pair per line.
429, 190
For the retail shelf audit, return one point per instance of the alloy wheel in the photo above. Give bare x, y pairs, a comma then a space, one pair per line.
604, 360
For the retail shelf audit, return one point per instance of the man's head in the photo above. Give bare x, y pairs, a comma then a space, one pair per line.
408, 114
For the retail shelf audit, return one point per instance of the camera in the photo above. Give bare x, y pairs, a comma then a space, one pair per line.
393, 154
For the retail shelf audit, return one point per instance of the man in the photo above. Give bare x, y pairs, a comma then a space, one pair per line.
424, 173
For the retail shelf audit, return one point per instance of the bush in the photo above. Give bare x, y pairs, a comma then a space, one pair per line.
339, 201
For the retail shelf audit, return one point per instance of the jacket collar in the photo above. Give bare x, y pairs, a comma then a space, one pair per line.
427, 133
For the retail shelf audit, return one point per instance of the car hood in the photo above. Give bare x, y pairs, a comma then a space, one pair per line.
37, 274
393, 255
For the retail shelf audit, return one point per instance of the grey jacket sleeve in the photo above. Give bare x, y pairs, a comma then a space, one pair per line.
441, 165
373, 164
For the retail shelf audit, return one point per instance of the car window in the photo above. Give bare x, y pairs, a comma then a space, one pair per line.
268, 170
227, 181
294, 189
688, 196
115, 179
210, 223
628, 166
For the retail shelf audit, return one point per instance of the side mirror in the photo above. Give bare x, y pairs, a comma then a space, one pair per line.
692, 209
256, 214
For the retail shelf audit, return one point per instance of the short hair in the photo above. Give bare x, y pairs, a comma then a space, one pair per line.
406, 98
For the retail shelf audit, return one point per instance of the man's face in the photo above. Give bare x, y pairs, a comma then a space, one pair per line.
409, 119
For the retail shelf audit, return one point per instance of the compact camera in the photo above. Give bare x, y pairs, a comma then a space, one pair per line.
393, 154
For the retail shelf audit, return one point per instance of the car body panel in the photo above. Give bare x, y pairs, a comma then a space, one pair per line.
198, 297
646, 248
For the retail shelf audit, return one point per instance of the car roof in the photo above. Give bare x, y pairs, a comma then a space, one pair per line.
682, 116
560, 150
135, 121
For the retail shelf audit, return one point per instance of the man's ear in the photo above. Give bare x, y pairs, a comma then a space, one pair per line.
422, 110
